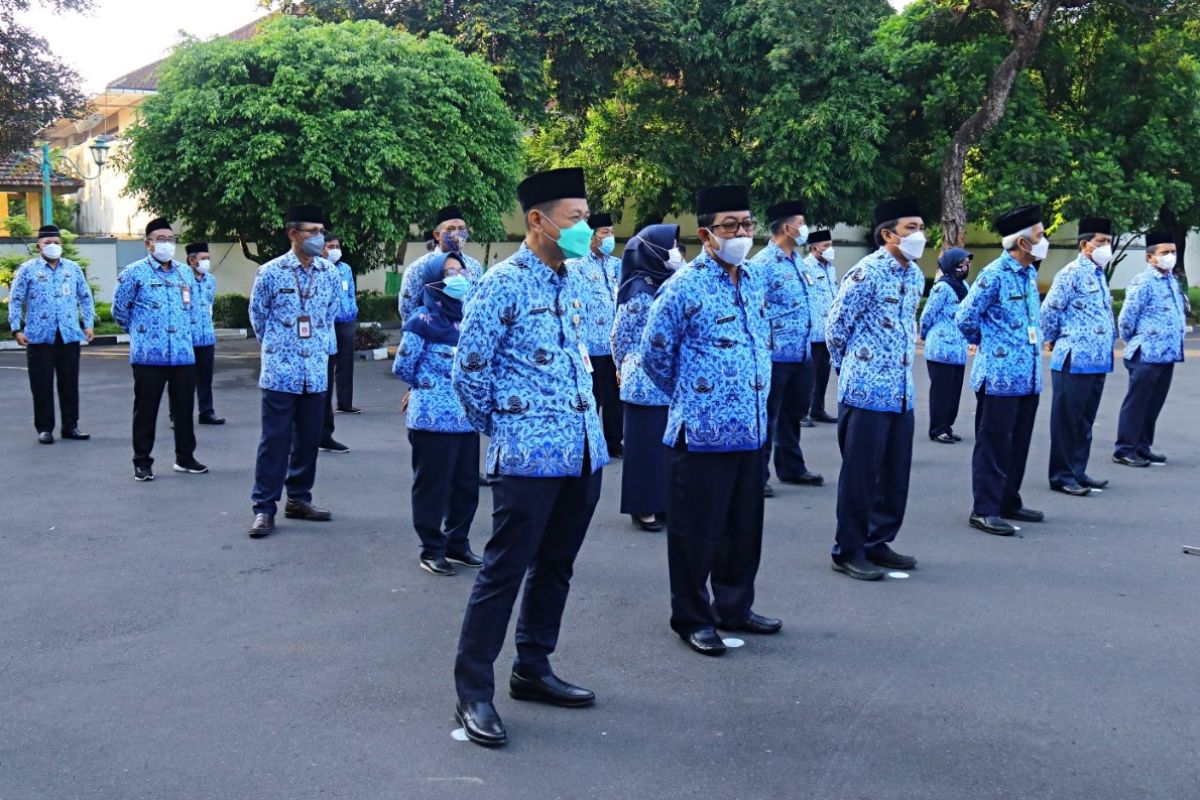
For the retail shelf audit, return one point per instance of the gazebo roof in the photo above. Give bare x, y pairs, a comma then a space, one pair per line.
20, 174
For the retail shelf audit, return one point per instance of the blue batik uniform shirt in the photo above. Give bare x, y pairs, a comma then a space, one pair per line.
1000, 316
707, 346
1077, 317
636, 386
412, 291
788, 306
820, 295
944, 342
347, 300
149, 304
521, 372
426, 367
602, 275
204, 293
1154, 317
871, 333
283, 292
46, 301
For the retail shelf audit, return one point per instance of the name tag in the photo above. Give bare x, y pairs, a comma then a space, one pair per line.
587, 359
1093, 288
539, 310
1033, 334
345, 286
724, 320
304, 327
66, 290
1016, 297
891, 299
156, 285
287, 291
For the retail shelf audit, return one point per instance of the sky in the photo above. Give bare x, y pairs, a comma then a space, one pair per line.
121, 35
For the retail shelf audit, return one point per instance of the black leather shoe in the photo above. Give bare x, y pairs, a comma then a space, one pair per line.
884, 556
616, 452
466, 558
821, 416
1073, 489
46, 437
437, 566
549, 689
143, 474
263, 525
333, 446
349, 410
993, 525
481, 723
806, 422
1092, 483
76, 434
488, 480
653, 525
706, 642
190, 466
955, 437
806, 478
1156, 458
298, 509
768, 490
857, 567
944, 438
757, 623
1131, 461
1024, 514
211, 419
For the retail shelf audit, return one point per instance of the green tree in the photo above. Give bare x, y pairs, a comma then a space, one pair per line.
19, 228
377, 125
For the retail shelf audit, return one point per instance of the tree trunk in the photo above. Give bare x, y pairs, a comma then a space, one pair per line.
1026, 36
1180, 230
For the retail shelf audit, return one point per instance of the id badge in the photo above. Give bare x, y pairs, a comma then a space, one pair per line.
187, 296
808, 278
587, 360
304, 327
345, 286
1033, 334
66, 290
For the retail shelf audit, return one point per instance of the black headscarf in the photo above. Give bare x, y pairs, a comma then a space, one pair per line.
644, 262
438, 319
949, 263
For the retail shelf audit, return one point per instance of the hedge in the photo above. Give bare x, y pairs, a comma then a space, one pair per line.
378, 307
231, 310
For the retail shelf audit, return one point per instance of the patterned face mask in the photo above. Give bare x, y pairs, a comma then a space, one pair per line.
453, 241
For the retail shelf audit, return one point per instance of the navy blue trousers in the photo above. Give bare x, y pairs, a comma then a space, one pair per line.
1003, 430
788, 401
538, 526
820, 360
873, 485
1144, 399
1072, 415
445, 490
341, 374
287, 450
714, 535
945, 391
644, 471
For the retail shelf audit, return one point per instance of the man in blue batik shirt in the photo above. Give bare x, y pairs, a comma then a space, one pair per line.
602, 271
341, 363
524, 378
293, 305
1000, 316
1153, 322
706, 345
788, 285
819, 264
871, 333
48, 296
154, 304
204, 335
1077, 321
450, 235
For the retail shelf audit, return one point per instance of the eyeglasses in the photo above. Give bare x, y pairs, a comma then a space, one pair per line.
165, 239
749, 225
310, 231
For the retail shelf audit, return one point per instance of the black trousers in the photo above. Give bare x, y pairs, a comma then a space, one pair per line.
205, 360
945, 391
46, 364
608, 399
148, 385
341, 374
820, 360
714, 527
1003, 430
287, 449
787, 403
538, 526
873, 485
644, 473
445, 490
1072, 415
1144, 399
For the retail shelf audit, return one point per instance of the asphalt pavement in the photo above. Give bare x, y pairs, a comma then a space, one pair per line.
150, 649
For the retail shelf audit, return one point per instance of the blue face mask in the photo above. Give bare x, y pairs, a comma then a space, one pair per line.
313, 245
607, 245
456, 287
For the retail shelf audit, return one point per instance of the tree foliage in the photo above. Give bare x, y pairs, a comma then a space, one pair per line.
379, 126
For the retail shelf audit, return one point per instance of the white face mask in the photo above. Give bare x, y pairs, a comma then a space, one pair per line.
52, 251
674, 259
1166, 262
913, 245
204, 266
335, 255
828, 255
1040, 250
164, 251
801, 235
731, 251
1102, 255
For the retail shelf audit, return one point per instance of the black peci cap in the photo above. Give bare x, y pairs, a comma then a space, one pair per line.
1018, 219
722, 198
553, 185
896, 209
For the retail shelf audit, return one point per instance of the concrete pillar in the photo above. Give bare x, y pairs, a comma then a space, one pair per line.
33, 209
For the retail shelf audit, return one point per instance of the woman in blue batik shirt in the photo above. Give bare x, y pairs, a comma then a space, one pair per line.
649, 260
445, 447
945, 346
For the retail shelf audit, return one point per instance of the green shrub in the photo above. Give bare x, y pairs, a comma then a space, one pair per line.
231, 310
103, 312
369, 337
378, 307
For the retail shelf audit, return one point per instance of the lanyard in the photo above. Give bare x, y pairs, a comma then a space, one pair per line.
303, 293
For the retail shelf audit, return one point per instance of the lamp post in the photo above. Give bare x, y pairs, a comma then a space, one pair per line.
99, 149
